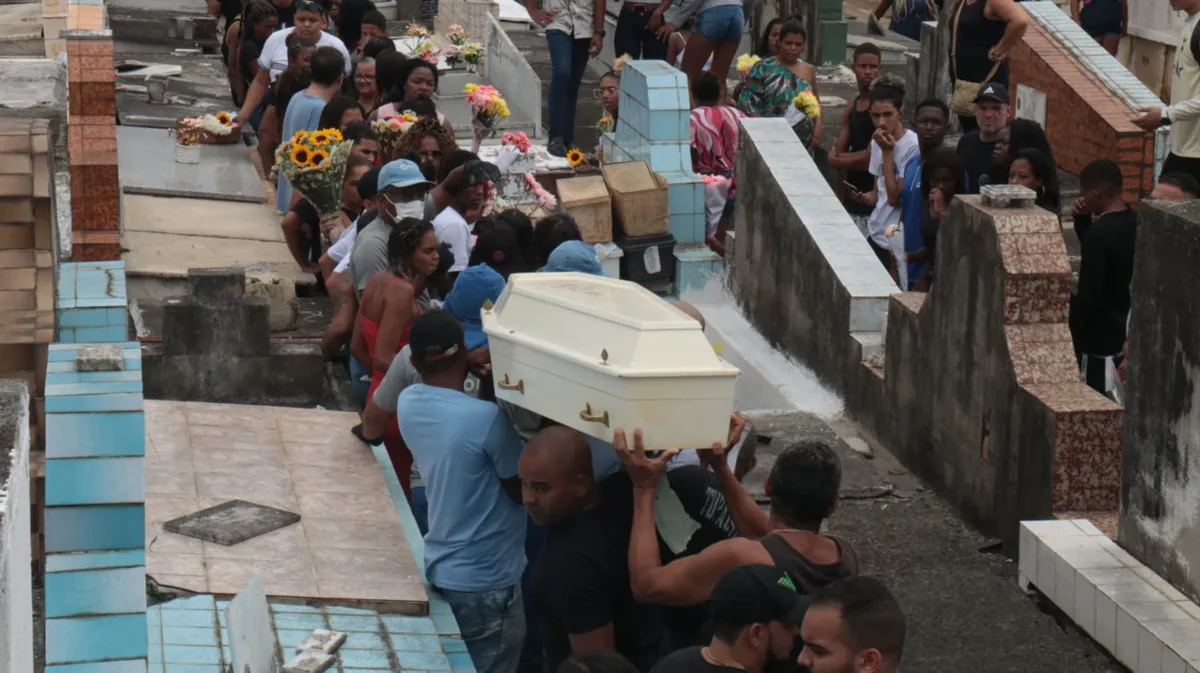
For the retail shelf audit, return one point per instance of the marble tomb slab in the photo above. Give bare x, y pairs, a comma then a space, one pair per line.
147, 164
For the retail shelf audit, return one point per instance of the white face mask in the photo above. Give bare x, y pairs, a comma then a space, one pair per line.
408, 209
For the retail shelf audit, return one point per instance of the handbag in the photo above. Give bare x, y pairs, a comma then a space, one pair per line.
962, 101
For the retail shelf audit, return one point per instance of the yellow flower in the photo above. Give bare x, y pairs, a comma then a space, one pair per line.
318, 157
807, 103
300, 137
335, 136
300, 155
319, 138
620, 62
574, 157
470, 88
224, 118
745, 62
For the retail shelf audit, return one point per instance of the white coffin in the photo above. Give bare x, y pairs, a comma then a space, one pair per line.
598, 354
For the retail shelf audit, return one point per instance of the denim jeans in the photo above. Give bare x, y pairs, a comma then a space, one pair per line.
419, 505
632, 36
568, 61
492, 625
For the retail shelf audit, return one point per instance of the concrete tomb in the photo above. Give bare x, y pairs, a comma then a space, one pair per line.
147, 166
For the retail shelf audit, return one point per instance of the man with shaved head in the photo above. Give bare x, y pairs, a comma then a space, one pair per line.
581, 577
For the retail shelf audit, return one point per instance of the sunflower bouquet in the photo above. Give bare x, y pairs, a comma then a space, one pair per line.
745, 62
315, 164
389, 130
489, 109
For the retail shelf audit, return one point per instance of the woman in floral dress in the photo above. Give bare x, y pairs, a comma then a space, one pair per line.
773, 83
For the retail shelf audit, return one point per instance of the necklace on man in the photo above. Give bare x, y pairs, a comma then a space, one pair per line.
708, 656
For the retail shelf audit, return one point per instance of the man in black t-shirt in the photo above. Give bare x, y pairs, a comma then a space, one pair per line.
581, 577
756, 617
976, 148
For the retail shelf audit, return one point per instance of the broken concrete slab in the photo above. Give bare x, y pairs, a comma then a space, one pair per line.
169, 256
99, 359
147, 165
310, 662
33, 86
281, 293
231, 522
201, 217
21, 30
322, 640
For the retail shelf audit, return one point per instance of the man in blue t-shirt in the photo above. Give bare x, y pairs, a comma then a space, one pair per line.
467, 452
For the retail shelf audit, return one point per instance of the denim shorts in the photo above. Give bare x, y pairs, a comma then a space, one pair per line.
721, 24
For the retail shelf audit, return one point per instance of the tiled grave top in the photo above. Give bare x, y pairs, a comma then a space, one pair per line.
91, 285
192, 635
1124, 84
348, 548
1133, 613
95, 517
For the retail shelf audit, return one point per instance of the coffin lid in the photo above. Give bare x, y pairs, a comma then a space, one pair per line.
614, 326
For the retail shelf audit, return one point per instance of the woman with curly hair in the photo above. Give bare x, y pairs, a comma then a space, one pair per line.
386, 310
428, 141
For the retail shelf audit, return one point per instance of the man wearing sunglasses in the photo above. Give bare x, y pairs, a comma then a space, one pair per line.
310, 21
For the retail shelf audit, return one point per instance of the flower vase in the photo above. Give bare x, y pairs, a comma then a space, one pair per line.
479, 131
187, 154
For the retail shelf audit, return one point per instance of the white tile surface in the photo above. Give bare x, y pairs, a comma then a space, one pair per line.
1084, 612
1047, 571
1171, 662
1140, 592
1150, 651
1027, 556
1064, 587
1092, 558
1128, 633
1106, 622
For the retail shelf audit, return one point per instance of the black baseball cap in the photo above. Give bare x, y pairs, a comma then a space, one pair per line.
757, 594
993, 91
434, 335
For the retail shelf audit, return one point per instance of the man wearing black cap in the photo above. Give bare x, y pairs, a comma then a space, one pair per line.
976, 147
756, 617
467, 452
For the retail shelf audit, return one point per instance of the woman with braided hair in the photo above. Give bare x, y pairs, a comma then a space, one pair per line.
386, 310
427, 142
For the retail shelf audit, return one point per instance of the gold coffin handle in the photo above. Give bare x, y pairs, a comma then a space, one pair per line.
519, 386
588, 416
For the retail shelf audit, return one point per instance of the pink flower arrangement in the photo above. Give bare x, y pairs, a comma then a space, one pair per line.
546, 198
518, 140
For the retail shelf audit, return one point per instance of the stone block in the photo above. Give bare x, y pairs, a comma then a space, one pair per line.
99, 359
216, 287
280, 294
309, 662
323, 640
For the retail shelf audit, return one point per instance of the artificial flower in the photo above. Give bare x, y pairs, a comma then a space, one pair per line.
417, 30
808, 103
745, 62
518, 140
540, 193
472, 53
620, 62
574, 157
457, 35
224, 118
606, 125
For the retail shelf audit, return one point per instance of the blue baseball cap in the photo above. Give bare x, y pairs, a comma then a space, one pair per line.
574, 256
473, 287
401, 173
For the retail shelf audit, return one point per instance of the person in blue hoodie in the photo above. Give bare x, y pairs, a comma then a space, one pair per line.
574, 256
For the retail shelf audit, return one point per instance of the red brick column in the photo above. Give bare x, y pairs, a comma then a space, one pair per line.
92, 145
1085, 120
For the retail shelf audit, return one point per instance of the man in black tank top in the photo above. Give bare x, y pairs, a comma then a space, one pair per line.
852, 151
803, 489
756, 616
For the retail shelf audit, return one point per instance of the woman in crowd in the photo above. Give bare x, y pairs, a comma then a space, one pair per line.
377, 46
340, 112
387, 72
982, 33
1105, 20
385, 314
242, 51
768, 45
361, 84
774, 82
714, 128
523, 228
427, 143
716, 34
414, 79
942, 177
1019, 134
550, 233
1035, 169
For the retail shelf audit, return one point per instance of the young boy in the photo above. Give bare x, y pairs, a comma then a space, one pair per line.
852, 151
1107, 230
374, 24
304, 110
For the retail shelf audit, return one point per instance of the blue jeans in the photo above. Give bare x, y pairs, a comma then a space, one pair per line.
721, 24
568, 61
419, 505
357, 375
492, 625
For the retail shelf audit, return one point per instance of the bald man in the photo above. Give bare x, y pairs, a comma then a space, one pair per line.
580, 580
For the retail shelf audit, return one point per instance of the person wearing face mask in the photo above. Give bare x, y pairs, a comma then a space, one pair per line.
402, 190
756, 617
853, 626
